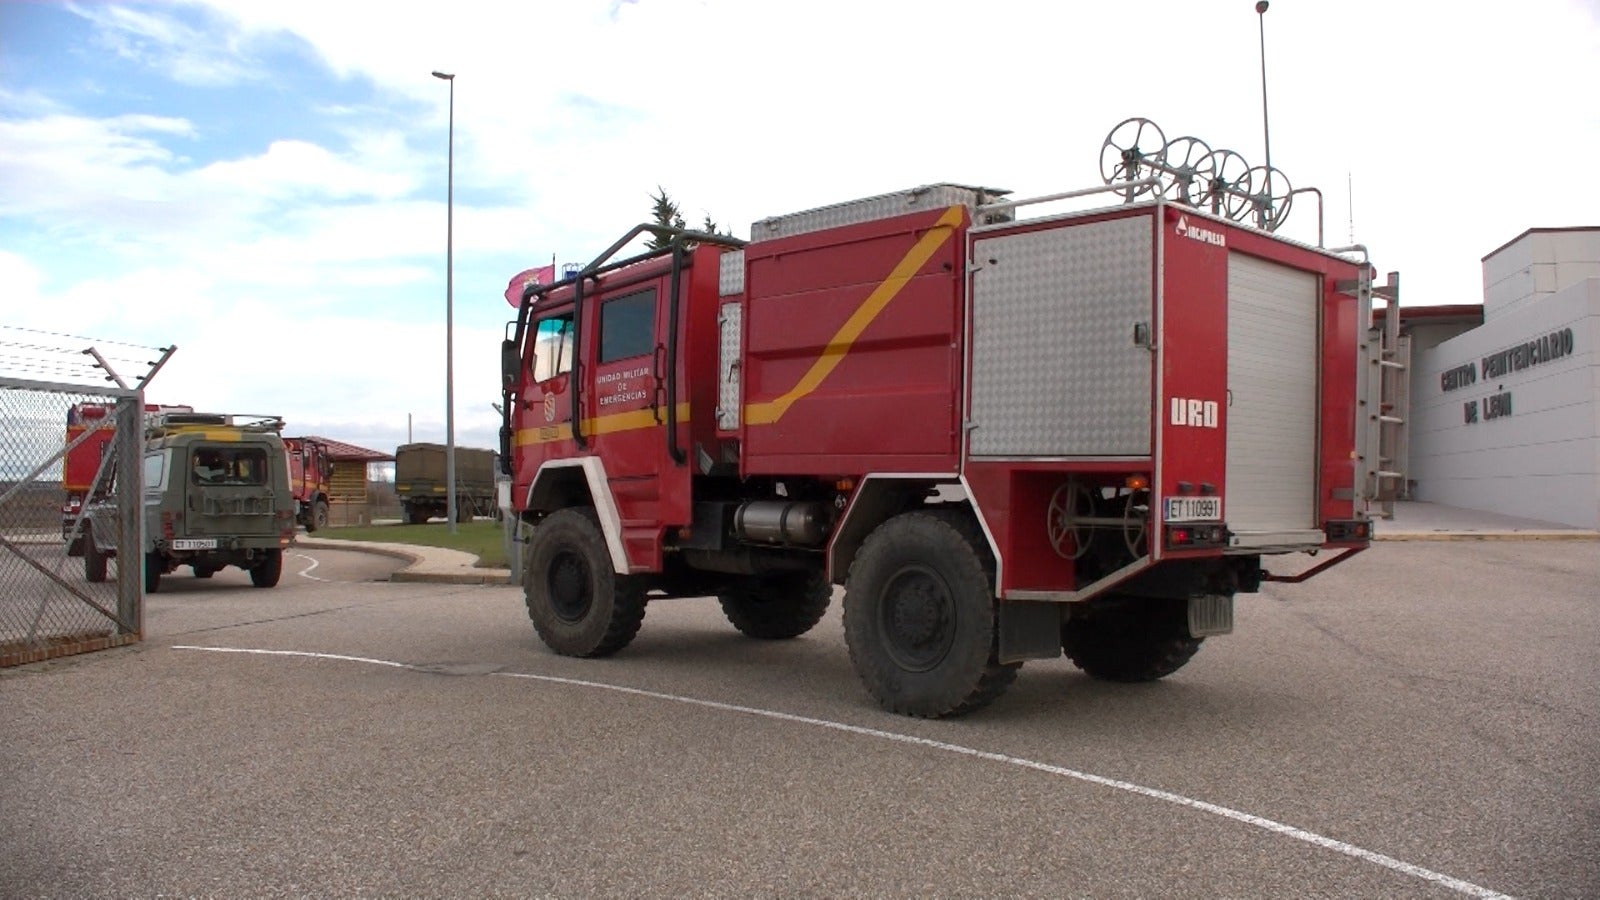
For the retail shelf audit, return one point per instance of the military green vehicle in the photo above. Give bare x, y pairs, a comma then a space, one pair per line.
216, 493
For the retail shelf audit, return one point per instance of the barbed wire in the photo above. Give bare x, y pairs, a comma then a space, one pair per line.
40, 354
79, 337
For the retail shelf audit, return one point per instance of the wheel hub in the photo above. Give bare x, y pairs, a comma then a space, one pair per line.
568, 581
918, 619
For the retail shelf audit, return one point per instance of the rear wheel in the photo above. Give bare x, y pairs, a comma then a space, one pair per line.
417, 515
153, 565
265, 574
919, 619
94, 562
578, 604
778, 606
1130, 640
463, 512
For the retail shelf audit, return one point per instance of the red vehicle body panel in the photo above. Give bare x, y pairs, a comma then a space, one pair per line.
855, 354
852, 340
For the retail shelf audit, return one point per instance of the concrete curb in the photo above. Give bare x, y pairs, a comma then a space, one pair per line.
425, 565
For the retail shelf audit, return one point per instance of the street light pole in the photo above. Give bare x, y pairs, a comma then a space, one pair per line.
1266, 132
449, 315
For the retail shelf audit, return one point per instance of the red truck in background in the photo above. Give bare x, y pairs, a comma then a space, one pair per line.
81, 477
1005, 437
310, 469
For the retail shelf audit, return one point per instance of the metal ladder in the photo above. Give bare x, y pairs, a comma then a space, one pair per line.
1383, 383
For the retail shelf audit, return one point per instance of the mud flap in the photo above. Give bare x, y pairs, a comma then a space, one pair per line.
1210, 614
1029, 629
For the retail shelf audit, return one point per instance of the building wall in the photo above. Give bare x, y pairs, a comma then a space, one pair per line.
1537, 264
1516, 433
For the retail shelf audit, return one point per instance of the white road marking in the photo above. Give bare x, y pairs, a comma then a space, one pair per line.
306, 572
1289, 831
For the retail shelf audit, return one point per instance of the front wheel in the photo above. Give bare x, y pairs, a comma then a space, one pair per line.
779, 606
919, 619
153, 565
265, 574
1130, 640
319, 516
579, 605
94, 562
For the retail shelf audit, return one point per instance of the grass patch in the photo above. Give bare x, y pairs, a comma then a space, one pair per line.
483, 539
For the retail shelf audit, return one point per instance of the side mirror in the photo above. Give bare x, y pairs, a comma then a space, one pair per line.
510, 363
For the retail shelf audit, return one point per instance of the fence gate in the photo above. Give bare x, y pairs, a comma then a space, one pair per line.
53, 603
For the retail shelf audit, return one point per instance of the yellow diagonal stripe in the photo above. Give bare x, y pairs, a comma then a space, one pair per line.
632, 420
770, 411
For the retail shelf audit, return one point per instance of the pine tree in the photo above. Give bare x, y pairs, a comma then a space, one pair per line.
665, 213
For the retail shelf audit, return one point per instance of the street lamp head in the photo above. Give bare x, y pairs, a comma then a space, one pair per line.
452, 77
1261, 7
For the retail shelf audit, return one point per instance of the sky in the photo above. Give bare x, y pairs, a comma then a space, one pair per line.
264, 185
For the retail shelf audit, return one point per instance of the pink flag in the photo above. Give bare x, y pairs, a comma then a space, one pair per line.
541, 275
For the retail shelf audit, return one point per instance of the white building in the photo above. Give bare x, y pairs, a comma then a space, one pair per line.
1505, 411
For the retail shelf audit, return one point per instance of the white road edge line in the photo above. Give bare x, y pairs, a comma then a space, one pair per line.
1289, 831
306, 572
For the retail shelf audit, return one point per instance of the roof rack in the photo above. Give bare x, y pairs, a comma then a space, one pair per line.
179, 422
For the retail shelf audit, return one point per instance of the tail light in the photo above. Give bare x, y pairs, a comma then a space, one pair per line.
168, 530
1348, 530
1196, 535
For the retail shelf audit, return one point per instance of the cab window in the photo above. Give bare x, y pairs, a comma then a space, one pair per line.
552, 347
628, 326
155, 470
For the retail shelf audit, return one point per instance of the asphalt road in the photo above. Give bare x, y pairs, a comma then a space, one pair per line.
1422, 721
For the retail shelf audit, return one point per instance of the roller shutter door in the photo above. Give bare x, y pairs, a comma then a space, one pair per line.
1272, 396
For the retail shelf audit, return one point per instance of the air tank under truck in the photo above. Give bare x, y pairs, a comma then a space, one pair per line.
1005, 437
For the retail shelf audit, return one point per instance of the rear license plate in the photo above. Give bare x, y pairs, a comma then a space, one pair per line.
1194, 509
195, 544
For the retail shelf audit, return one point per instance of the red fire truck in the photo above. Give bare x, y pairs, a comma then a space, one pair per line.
310, 469
82, 477
1004, 436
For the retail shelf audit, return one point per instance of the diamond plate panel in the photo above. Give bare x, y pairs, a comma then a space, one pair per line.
730, 275
729, 390
1055, 370
932, 196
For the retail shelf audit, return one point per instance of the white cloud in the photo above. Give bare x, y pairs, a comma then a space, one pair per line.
159, 40
322, 260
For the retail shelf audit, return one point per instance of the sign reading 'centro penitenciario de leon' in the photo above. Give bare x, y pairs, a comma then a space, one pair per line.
1542, 349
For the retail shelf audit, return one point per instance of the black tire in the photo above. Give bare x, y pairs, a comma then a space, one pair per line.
265, 574
779, 606
919, 619
578, 604
152, 572
204, 571
463, 511
319, 516
94, 562
417, 515
1130, 640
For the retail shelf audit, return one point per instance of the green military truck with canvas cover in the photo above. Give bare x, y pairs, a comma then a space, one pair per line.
421, 482
216, 494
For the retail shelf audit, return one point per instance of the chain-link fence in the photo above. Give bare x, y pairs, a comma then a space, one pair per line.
71, 545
